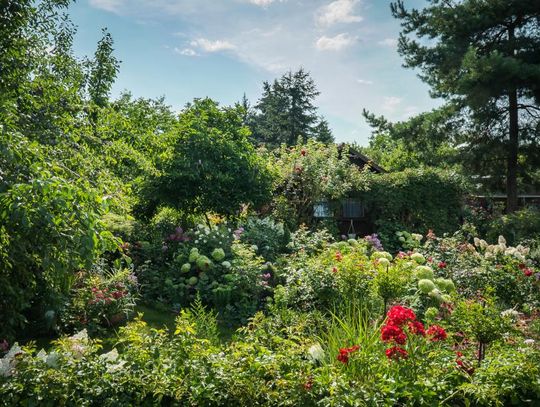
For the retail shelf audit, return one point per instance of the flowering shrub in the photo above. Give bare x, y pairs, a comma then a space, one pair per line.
100, 299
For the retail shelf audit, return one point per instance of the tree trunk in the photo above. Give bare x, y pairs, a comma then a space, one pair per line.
512, 158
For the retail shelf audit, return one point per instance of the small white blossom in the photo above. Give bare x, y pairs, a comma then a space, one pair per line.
316, 353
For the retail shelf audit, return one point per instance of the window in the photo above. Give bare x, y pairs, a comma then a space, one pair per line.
322, 210
352, 209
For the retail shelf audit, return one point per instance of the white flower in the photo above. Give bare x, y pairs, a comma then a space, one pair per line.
8, 362
80, 336
510, 313
52, 359
110, 357
316, 353
42, 355
502, 240
529, 342
417, 236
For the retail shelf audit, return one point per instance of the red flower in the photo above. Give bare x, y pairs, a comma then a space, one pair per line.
437, 333
309, 384
528, 272
399, 315
394, 333
118, 294
442, 264
303, 152
344, 353
417, 328
467, 367
339, 256
396, 353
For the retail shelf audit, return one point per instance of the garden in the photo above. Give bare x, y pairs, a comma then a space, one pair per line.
153, 257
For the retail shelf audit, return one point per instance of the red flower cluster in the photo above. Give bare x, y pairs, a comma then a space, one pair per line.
344, 353
442, 264
394, 333
107, 296
526, 270
436, 333
417, 328
396, 353
339, 256
398, 315
467, 367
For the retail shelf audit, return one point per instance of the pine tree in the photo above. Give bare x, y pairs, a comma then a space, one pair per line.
483, 56
286, 113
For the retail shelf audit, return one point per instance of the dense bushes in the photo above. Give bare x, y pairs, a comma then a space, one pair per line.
414, 200
49, 229
516, 227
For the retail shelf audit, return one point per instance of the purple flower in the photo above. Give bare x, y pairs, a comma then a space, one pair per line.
132, 278
238, 232
374, 241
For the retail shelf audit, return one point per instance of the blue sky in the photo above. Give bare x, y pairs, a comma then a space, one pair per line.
224, 48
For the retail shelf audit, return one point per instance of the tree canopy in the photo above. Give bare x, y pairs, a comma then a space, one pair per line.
483, 56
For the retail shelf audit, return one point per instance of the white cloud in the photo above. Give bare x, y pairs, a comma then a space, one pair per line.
364, 82
339, 11
207, 45
389, 42
262, 3
336, 43
391, 103
107, 5
188, 52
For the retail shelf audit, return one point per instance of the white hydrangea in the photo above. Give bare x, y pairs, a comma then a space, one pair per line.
316, 353
502, 240
510, 313
417, 236
8, 362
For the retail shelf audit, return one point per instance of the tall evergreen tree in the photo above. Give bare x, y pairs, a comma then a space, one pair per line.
483, 56
286, 113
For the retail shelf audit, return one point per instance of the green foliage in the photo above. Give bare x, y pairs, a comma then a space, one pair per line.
480, 57
51, 228
211, 166
516, 227
285, 112
99, 299
313, 172
413, 200
269, 236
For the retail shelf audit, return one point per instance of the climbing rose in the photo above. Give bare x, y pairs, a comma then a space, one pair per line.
396, 353
437, 333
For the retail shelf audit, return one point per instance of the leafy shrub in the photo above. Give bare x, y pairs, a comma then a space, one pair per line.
213, 264
50, 228
269, 236
516, 227
100, 298
413, 200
